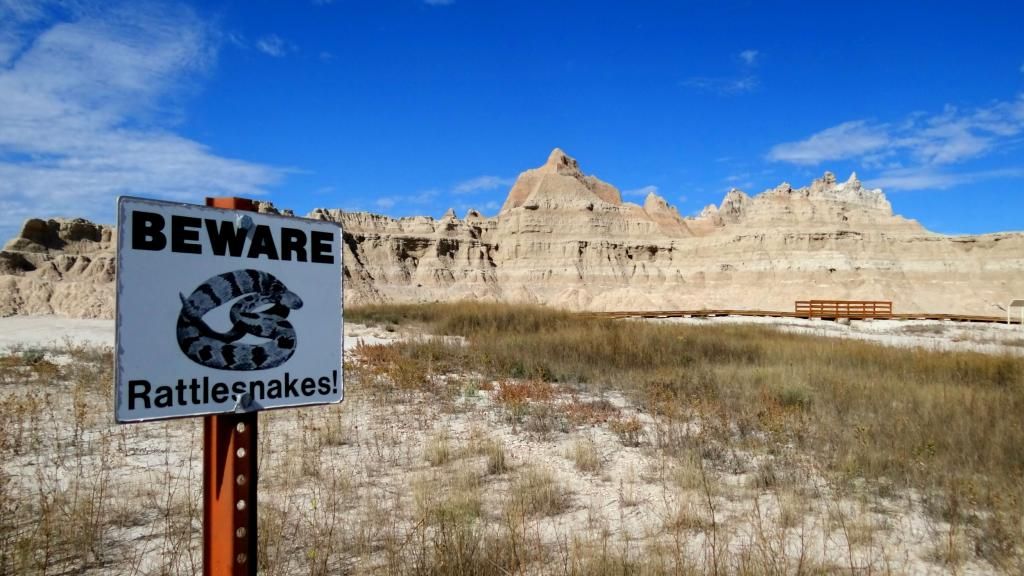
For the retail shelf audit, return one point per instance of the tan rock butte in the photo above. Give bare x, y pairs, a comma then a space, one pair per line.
568, 240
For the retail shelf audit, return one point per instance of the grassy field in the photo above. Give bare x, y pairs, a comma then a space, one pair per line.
495, 439
946, 424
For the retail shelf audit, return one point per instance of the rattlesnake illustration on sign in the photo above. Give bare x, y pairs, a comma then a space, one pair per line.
262, 311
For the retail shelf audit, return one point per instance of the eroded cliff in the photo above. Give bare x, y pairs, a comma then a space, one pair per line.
568, 239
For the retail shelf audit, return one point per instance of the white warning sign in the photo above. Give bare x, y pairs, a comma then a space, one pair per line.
224, 311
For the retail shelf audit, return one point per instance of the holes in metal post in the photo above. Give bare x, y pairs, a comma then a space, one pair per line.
240, 452
240, 532
240, 427
240, 505
240, 480
241, 558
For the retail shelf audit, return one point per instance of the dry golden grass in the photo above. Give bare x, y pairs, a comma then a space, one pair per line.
536, 492
945, 423
494, 451
384, 485
585, 457
438, 449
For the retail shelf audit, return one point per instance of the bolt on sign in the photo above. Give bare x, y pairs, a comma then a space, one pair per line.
221, 311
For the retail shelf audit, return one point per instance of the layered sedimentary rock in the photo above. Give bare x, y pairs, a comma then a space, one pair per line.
567, 239
58, 266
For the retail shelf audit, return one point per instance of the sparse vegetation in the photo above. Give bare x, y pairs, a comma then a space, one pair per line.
747, 449
585, 456
497, 459
536, 492
437, 450
943, 423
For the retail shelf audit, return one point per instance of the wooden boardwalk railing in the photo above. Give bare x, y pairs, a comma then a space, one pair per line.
844, 309
710, 313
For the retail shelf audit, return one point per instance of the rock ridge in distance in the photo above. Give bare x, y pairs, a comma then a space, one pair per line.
567, 239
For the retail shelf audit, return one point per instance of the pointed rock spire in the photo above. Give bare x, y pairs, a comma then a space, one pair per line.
654, 203
561, 163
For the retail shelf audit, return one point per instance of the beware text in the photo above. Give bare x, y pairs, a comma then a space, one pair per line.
224, 238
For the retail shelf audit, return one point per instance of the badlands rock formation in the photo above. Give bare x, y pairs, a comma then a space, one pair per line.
567, 239
63, 267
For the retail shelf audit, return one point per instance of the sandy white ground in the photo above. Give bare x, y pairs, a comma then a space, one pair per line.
45, 331
49, 331
29, 331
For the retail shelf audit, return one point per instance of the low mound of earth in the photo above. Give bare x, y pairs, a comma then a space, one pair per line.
568, 240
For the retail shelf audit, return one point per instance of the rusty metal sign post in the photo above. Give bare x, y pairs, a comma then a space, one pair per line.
223, 312
230, 521
229, 494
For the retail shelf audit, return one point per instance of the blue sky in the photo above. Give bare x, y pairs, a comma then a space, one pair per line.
410, 107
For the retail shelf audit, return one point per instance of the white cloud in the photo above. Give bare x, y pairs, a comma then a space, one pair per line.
274, 45
740, 181
80, 117
745, 80
641, 192
948, 137
931, 178
424, 197
421, 198
480, 184
846, 140
723, 85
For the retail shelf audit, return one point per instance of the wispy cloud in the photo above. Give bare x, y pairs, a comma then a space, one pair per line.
931, 178
847, 140
640, 192
744, 80
723, 85
274, 45
81, 117
918, 152
948, 137
741, 181
421, 198
439, 2
481, 184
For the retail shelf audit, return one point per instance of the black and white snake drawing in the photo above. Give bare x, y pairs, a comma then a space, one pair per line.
262, 312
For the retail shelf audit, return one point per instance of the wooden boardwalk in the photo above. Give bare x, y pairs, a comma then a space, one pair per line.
789, 314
